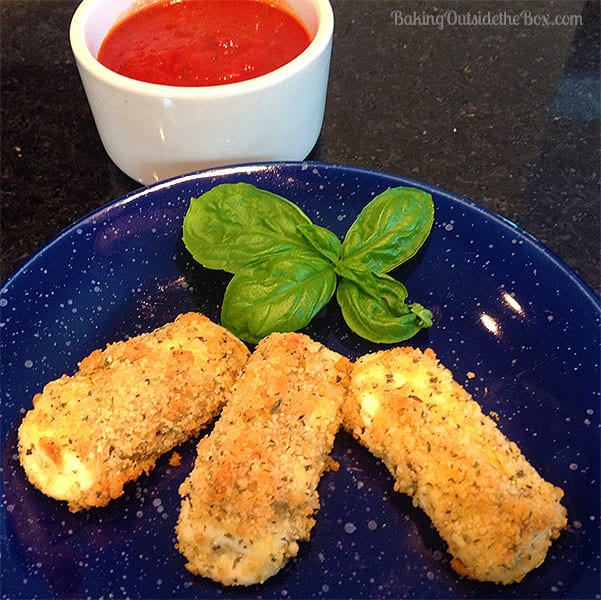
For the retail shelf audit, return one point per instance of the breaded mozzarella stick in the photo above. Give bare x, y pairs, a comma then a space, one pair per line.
495, 512
90, 433
253, 491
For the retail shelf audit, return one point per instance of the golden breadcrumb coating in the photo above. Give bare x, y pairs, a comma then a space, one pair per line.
253, 491
495, 512
90, 433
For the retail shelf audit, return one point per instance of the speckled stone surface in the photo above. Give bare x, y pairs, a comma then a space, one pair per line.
506, 115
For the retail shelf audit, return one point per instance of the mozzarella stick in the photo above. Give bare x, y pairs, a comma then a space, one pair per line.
252, 493
497, 515
91, 433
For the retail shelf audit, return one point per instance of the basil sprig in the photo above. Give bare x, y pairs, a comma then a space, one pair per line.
286, 268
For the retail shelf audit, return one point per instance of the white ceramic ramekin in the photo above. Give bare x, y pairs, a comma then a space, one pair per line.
152, 132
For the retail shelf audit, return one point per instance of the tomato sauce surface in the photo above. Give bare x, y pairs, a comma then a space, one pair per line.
203, 42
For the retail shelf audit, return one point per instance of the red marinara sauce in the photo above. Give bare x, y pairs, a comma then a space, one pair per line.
203, 42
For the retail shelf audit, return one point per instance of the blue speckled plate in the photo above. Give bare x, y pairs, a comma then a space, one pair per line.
505, 308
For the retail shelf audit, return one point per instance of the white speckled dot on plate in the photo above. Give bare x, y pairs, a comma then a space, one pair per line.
505, 309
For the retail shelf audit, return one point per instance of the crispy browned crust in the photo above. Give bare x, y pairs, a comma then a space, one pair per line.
128, 404
253, 491
495, 512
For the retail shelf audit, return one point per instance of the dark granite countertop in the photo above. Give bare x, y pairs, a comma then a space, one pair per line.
506, 115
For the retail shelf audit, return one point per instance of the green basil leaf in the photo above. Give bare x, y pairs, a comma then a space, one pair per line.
281, 293
390, 229
383, 319
360, 275
286, 268
232, 224
324, 241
